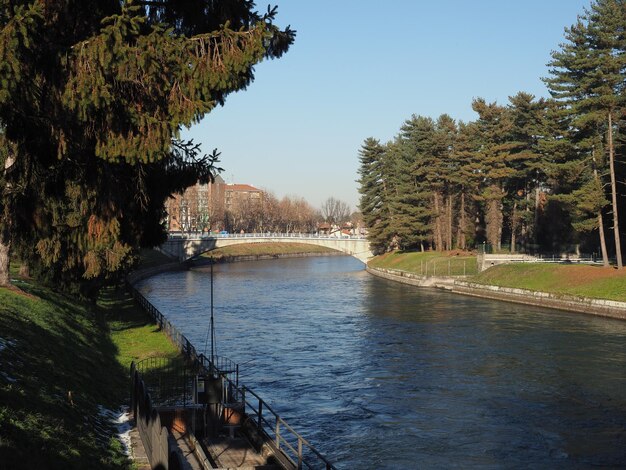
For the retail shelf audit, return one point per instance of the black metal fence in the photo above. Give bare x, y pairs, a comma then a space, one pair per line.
168, 382
160, 447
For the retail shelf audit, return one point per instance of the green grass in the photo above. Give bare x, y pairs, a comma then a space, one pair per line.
60, 359
265, 249
578, 280
562, 279
428, 263
525, 276
132, 333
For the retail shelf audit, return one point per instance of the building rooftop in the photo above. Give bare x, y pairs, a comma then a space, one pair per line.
241, 187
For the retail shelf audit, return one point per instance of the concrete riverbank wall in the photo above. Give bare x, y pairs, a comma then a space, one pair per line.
412, 279
600, 307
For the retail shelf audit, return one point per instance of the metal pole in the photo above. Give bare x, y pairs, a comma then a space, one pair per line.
212, 324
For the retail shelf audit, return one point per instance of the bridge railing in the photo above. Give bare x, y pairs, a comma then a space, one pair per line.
315, 236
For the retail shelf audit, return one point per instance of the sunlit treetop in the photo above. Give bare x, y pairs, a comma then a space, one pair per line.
119, 79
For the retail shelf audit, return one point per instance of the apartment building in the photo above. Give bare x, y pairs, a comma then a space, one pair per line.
209, 207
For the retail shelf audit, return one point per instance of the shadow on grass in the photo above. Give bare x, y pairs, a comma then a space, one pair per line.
58, 368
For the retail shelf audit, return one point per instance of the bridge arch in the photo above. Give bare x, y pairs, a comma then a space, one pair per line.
184, 248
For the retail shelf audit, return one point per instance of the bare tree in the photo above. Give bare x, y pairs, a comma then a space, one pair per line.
335, 211
268, 214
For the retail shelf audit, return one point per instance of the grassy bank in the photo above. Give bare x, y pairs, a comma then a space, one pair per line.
265, 249
429, 263
566, 279
61, 363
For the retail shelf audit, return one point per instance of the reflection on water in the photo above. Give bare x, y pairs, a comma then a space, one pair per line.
382, 375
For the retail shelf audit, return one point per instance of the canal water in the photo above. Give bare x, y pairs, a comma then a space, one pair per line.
377, 374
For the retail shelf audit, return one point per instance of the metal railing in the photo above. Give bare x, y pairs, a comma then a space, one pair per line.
159, 445
583, 259
451, 267
281, 435
558, 254
169, 382
548, 258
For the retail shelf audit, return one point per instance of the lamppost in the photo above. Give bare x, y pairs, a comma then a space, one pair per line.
184, 216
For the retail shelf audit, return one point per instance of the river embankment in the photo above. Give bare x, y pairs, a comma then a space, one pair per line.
64, 366
464, 285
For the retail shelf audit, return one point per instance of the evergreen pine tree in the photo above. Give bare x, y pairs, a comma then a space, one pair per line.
467, 180
494, 127
409, 225
446, 167
373, 202
413, 199
525, 159
92, 97
587, 76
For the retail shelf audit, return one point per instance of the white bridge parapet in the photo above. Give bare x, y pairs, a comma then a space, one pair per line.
187, 246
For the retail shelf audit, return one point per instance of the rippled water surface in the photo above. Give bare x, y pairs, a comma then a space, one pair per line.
382, 375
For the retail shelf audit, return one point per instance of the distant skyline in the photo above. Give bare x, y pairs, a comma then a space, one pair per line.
357, 70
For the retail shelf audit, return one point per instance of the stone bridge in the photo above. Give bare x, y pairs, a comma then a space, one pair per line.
184, 247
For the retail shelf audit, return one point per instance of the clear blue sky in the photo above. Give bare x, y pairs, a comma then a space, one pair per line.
359, 68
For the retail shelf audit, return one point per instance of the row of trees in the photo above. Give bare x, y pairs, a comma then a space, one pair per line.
540, 173
267, 213
93, 95
270, 214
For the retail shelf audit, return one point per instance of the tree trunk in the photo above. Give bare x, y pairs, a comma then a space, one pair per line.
523, 234
438, 234
605, 255
493, 219
5, 230
513, 226
449, 221
460, 237
500, 218
525, 228
5, 278
536, 214
24, 272
618, 248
